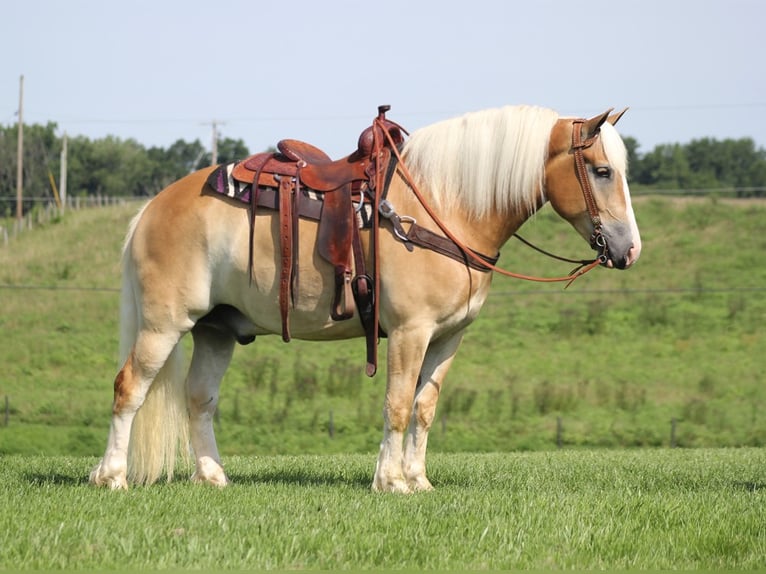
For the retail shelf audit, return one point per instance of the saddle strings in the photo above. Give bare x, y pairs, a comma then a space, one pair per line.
584, 267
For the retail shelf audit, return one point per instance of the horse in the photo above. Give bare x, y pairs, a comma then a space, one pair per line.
194, 262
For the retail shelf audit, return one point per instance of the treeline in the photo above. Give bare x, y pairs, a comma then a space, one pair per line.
109, 166
734, 166
116, 167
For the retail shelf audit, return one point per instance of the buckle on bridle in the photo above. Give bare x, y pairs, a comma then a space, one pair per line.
598, 242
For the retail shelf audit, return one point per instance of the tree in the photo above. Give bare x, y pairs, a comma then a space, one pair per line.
116, 167
702, 164
231, 150
41, 157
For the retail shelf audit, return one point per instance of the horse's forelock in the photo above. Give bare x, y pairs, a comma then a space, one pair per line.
614, 148
492, 160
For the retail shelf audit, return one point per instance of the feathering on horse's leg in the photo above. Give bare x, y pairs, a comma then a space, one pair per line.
406, 348
211, 357
437, 362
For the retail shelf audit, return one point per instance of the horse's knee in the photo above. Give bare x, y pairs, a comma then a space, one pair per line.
397, 415
425, 405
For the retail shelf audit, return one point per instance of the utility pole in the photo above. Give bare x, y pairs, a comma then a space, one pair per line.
62, 176
214, 142
20, 154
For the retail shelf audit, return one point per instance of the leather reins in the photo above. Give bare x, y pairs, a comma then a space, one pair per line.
597, 239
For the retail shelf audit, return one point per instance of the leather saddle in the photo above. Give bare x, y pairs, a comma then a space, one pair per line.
298, 166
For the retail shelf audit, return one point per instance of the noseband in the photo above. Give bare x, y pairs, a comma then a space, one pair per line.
597, 238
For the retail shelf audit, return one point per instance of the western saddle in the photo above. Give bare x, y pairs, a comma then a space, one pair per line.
277, 181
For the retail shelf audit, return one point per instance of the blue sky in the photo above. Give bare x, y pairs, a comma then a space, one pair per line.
161, 70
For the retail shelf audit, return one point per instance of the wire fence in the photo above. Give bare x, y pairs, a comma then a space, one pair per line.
46, 210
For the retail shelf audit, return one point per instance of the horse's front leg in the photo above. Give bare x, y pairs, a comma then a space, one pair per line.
435, 366
406, 349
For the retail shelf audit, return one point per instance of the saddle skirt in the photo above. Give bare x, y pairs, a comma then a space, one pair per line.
223, 182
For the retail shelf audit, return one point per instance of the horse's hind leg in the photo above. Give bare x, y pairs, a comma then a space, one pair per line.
131, 386
435, 366
212, 354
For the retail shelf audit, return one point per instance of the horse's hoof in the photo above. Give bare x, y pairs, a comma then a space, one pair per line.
420, 484
397, 486
111, 482
99, 477
210, 472
219, 481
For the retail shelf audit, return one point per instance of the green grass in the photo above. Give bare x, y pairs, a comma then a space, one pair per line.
582, 509
616, 356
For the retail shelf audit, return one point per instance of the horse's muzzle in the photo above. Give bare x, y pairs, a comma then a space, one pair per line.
622, 248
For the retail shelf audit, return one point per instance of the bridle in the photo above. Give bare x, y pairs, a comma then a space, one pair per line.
597, 239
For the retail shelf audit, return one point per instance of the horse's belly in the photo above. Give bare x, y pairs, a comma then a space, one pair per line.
308, 309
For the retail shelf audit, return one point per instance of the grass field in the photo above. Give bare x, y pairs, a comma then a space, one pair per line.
616, 357
581, 509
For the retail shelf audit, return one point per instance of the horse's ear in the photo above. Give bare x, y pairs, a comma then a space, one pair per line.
614, 118
593, 124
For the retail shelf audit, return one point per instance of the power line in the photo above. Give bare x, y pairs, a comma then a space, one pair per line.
415, 113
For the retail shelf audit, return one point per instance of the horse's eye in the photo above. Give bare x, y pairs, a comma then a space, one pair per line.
603, 172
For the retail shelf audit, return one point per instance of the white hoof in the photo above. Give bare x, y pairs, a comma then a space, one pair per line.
116, 480
420, 484
209, 472
397, 485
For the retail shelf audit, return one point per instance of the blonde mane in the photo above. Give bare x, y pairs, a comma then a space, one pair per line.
483, 162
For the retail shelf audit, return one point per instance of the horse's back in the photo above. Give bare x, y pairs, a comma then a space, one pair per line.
193, 244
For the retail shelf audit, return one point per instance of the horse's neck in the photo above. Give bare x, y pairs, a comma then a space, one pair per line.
494, 231
485, 235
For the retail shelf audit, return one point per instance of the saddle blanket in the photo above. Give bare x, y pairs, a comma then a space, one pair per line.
222, 182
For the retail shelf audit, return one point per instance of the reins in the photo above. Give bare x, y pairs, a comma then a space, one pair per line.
597, 238
579, 262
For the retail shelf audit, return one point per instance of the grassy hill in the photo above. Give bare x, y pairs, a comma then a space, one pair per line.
610, 361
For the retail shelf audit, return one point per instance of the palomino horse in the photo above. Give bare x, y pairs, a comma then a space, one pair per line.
191, 265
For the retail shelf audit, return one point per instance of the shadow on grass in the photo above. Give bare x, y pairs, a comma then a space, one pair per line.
291, 477
302, 477
750, 486
54, 479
